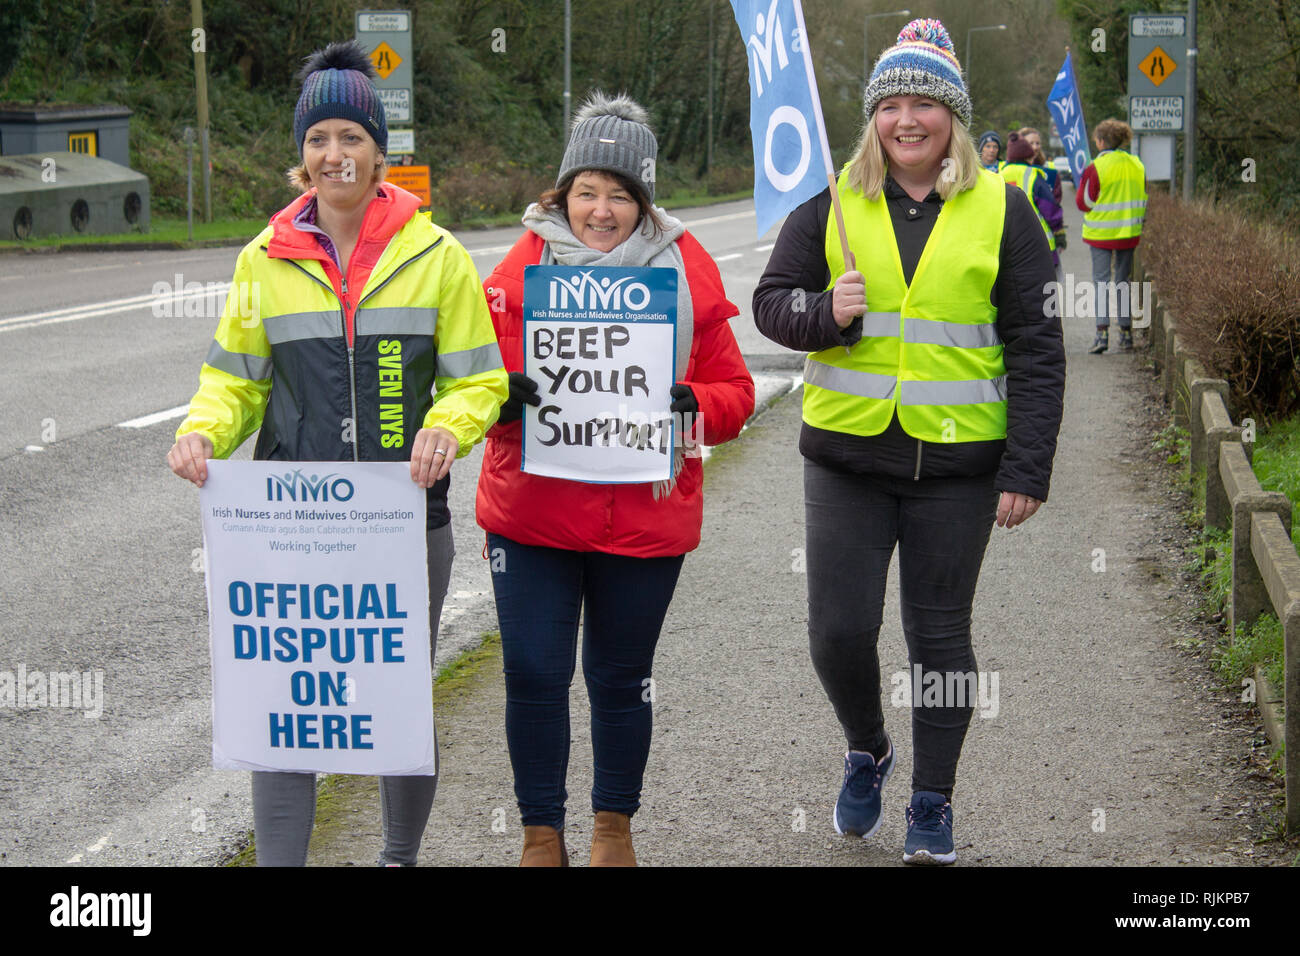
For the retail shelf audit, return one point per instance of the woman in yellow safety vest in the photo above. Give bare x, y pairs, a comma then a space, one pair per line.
1112, 195
300, 362
932, 400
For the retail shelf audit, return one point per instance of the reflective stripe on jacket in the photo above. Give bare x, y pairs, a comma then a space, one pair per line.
930, 349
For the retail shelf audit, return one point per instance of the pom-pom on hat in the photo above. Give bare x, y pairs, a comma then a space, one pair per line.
1019, 149
921, 63
337, 83
612, 134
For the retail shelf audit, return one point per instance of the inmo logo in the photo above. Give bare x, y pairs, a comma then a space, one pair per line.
585, 292
298, 487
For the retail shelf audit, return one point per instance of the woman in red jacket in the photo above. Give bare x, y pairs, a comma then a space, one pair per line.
610, 552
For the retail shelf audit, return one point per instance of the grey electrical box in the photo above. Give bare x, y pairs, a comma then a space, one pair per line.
67, 194
94, 130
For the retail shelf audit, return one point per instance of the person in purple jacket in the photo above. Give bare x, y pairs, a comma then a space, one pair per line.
1019, 169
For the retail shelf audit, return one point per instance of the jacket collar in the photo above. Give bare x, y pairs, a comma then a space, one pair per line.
387, 212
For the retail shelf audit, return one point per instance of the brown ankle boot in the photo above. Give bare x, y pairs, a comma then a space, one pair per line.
544, 846
611, 840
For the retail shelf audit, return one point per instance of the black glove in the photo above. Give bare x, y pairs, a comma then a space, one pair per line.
522, 390
1060, 240
684, 400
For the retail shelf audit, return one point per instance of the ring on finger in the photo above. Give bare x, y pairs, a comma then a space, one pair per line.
440, 451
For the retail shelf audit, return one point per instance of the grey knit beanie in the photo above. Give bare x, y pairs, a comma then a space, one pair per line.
612, 135
922, 63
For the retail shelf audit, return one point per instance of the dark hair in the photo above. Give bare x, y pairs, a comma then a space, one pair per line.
342, 55
558, 198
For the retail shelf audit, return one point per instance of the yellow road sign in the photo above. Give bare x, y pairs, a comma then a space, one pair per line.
1158, 66
385, 59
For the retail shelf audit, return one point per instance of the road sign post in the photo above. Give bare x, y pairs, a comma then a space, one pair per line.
385, 35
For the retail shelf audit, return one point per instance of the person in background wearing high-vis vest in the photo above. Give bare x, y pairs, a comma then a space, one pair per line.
932, 400
1112, 195
305, 360
1019, 170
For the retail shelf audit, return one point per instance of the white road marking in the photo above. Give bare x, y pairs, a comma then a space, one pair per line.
732, 255
115, 265
146, 420
490, 250
34, 448
727, 218
764, 248
110, 307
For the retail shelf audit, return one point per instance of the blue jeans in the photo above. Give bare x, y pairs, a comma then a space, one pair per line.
540, 593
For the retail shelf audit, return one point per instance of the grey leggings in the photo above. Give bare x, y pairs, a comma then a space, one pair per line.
284, 804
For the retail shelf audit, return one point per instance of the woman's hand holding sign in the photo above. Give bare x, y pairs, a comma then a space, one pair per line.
189, 457
431, 455
523, 390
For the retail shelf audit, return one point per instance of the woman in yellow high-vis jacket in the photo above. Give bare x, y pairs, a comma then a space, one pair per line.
346, 281
932, 400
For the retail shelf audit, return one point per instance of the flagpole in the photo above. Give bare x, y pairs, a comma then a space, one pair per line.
821, 133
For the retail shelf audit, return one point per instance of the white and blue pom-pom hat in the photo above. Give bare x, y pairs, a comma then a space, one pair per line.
921, 63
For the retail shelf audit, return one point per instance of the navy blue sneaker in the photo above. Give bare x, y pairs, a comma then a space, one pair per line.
857, 811
929, 829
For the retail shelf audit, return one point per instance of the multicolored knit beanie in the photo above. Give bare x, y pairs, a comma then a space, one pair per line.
337, 84
922, 63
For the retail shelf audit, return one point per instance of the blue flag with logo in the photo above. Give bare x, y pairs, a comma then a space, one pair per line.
1067, 111
791, 158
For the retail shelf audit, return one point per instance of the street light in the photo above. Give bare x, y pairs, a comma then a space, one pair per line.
1000, 26
866, 50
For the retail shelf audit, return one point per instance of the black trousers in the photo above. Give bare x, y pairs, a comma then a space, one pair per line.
941, 527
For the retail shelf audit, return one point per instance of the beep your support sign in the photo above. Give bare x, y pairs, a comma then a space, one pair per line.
600, 342
318, 607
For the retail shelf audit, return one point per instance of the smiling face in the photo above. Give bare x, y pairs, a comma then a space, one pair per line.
341, 159
602, 213
915, 132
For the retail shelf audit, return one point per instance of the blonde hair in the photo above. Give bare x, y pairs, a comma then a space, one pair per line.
300, 181
869, 164
1115, 133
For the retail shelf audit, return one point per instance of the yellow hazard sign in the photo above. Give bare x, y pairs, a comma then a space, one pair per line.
385, 59
1158, 66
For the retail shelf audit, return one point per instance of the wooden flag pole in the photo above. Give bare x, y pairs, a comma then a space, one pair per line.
849, 261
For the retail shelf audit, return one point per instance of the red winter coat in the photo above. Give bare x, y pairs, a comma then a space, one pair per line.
615, 519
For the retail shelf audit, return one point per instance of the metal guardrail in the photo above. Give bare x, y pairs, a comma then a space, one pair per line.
1265, 564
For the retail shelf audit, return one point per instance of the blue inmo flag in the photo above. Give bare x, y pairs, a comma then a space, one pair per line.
791, 157
1067, 111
